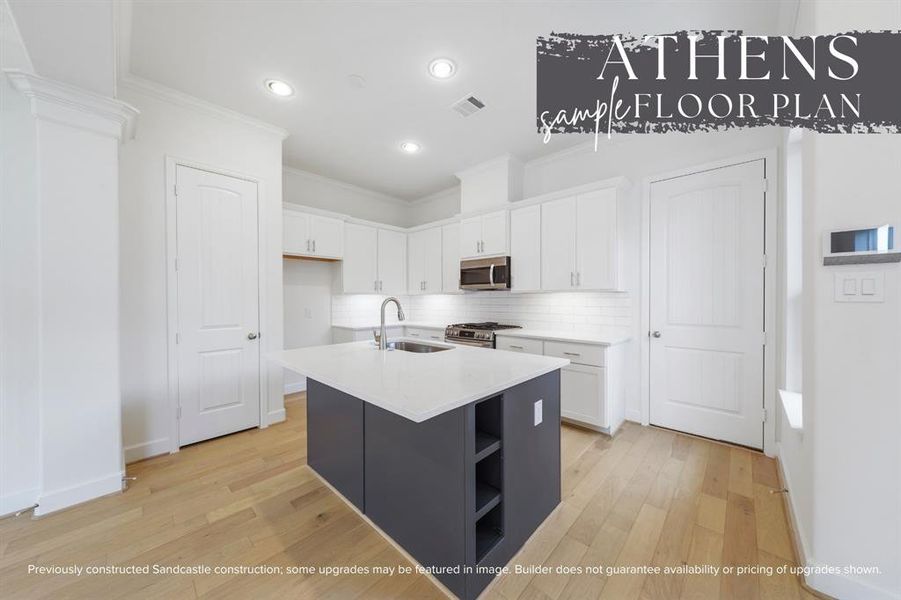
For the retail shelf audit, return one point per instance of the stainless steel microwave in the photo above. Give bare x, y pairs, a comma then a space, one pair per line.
485, 273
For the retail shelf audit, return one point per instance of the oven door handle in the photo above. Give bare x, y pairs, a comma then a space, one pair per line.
491, 275
465, 343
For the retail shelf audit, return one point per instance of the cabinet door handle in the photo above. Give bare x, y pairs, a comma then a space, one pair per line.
380, 284
308, 245
572, 354
572, 279
375, 285
314, 245
578, 273
516, 347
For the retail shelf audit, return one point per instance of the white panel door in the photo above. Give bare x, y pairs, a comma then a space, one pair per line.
296, 233
495, 233
327, 236
596, 241
218, 305
706, 302
558, 244
450, 257
525, 249
470, 237
392, 261
359, 269
431, 263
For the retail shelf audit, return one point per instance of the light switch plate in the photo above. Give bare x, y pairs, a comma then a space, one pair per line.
859, 286
539, 410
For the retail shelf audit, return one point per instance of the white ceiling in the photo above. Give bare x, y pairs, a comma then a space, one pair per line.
223, 51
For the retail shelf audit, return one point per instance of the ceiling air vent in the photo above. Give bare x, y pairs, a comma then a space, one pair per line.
468, 105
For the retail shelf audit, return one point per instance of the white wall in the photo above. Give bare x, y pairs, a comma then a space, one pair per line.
308, 308
309, 189
182, 130
435, 207
844, 468
72, 256
19, 284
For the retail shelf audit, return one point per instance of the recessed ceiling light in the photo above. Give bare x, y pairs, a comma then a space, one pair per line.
410, 147
279, 88
442, 68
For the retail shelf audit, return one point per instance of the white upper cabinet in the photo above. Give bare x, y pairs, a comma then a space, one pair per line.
392, 262
496, 233
580, 243
597, 256
327, 236
312, 235
470, 237
450, 258
375, 260
359, 269
485, 235
296, 233
525, 248
424, 271
558, 245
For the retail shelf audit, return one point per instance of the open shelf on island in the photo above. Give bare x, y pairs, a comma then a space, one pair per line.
486, 444
487, 497
488, 533
488, 471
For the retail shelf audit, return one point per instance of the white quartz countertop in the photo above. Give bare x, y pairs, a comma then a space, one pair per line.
416, 386
609, 337
362, 326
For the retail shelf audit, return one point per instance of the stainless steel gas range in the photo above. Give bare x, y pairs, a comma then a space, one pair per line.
475, 334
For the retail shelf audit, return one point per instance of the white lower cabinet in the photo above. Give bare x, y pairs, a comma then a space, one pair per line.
342, 335
432, 335
582, 396
591, 390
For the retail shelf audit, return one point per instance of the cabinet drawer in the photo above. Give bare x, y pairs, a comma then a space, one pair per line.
583, 354
425, 334
518, 344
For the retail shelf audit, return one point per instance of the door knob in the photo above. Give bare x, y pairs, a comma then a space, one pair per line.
251, 336
656, 334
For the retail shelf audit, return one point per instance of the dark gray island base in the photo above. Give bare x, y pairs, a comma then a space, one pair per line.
463, 490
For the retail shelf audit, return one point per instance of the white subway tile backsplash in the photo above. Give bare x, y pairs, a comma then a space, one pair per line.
557, 311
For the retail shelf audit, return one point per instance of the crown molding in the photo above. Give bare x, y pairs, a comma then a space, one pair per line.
346, 186
167, 94
454, 189
60, 102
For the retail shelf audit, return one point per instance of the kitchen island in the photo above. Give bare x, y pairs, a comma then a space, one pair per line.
454, 453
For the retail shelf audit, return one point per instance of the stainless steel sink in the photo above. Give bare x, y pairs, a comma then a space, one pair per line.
416, 347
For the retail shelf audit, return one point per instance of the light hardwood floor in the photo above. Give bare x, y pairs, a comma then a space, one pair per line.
647, 496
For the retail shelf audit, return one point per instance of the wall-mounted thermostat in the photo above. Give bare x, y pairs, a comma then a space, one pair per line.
861, 246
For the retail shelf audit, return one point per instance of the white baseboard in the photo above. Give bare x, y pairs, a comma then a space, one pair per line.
634, 415
144, 450
845, 586
66, 497
796, 531
298, 386
277, 416
834, 585
15, 502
